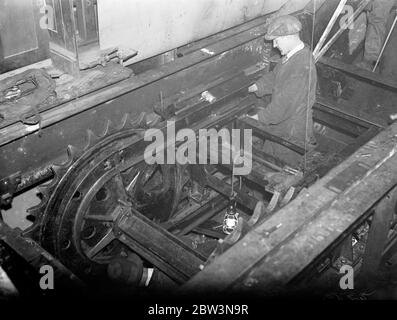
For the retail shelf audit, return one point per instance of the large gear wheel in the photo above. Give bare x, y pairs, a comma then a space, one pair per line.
73, 222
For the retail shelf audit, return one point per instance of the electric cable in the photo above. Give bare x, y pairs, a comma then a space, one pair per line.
308, 91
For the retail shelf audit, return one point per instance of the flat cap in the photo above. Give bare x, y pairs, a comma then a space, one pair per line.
283, 26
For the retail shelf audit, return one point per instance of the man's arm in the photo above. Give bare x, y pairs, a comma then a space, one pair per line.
285, 99
264, 85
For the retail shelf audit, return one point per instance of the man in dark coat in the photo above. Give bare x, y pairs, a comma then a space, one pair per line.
378, 14
388, 67
292, 85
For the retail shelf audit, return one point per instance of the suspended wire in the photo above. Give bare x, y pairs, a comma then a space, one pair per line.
310, 80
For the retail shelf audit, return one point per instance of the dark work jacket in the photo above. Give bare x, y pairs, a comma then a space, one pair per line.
292, 85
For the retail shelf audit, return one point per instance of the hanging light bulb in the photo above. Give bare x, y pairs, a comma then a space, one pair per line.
230, 219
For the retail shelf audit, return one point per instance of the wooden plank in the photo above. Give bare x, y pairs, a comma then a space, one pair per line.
377, 236
364, 121
331, 225
158, 246
36, 256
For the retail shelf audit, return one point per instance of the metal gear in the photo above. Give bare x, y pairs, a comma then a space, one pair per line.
73, 221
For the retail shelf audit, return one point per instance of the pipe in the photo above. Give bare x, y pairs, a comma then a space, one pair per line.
325, 48
329, 27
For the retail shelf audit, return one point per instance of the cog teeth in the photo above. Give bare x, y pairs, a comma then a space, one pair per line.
33, 211
52, 184
32, 232
44, 191
125, 122
92, 139
73, 154
36, 211
109, 129
141, 121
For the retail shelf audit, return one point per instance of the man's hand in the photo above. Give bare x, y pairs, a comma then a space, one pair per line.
253, 88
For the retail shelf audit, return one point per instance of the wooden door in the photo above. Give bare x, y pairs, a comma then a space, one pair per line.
22, 40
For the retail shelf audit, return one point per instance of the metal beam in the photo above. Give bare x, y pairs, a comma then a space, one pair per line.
377, 236
74, 107
163, 249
